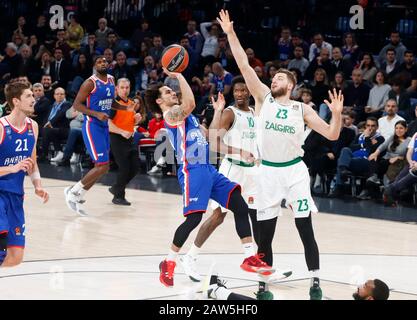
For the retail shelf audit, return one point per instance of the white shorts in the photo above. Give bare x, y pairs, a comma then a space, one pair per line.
245, 177
291, 183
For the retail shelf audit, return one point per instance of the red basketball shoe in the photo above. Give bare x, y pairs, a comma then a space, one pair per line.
255, 264
166, 273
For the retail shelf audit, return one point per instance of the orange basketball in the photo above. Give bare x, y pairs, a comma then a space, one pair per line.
175, 58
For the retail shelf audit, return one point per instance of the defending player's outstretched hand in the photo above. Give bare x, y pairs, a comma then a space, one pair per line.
337, 101
224, 21
220, 103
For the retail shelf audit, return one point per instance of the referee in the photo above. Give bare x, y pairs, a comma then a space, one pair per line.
125, 153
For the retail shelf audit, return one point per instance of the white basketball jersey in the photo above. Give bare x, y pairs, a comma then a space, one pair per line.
280, 130
242, 133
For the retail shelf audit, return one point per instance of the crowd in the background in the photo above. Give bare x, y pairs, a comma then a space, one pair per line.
379, 89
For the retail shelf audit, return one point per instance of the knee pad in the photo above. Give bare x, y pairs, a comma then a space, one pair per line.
3, 247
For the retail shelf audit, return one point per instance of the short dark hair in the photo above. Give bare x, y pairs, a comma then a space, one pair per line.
391, 49
14, 90
111, 32
409, 52
373, 119
381, 290
236, 80
151, 94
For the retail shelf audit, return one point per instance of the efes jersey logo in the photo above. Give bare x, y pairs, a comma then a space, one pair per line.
9, 132
250, 200
30, 130
295, 107
17, 231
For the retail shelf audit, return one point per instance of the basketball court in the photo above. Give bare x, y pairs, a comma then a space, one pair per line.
114, 253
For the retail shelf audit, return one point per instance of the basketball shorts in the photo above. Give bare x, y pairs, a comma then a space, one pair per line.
243, 175
97, 141
12, 218
289, 181
200, 183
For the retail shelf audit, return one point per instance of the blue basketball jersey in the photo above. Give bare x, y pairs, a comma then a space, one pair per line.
101, 98
15, 146
188, 141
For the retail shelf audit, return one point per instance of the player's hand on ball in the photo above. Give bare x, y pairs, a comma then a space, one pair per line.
170, 74
336, 104
42, 193
225, 22
220, 103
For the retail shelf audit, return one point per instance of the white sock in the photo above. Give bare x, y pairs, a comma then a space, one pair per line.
161, 161
317, 181
78, 188
222, 293
194, 251
172, 255
248, 249
314, 274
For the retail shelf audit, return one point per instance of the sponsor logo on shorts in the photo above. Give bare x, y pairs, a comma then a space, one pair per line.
100, 154
250, 200
193, 199
17, 231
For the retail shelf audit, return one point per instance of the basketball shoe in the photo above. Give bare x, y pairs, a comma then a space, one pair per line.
74, 202
166, 273
315, 290
188, 263
276, 276
214, 284
255, 264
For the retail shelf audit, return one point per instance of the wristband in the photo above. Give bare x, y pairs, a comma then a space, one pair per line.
35, 176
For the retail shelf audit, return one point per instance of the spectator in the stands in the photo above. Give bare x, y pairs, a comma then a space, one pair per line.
193, 58
253, 60
396, 44
60, 69
392, 161
323, 62
368, 67
307, 97
339, 82
284, 47
299, 84
195, 37
34, 45
348, 120
356, 95
22, 28
92, 48
210, 32
113, 42
390, 66
320, 89
157, 49
407, 72
341, 64
73, 147
222, 80
299, 62
350, 49
42, 105
45, 63
62, 43
82, 71
102, 32
122, 70
48, 89
224, 53
41, 29
402, 97
271, 71
412, 128
148, 66
11, 62
28, 66
75, 33
387, 123
141, 34
406, 178
378, 95
109, 55
317, 45
297, 41
57, 127
354, 159
17, 39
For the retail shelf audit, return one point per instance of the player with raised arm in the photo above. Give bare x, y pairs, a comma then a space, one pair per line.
281, 124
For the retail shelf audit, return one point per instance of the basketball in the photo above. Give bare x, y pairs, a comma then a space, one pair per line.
175, 58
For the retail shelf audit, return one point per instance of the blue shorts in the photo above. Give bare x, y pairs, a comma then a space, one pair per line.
97, 141
200, 183
12, 218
